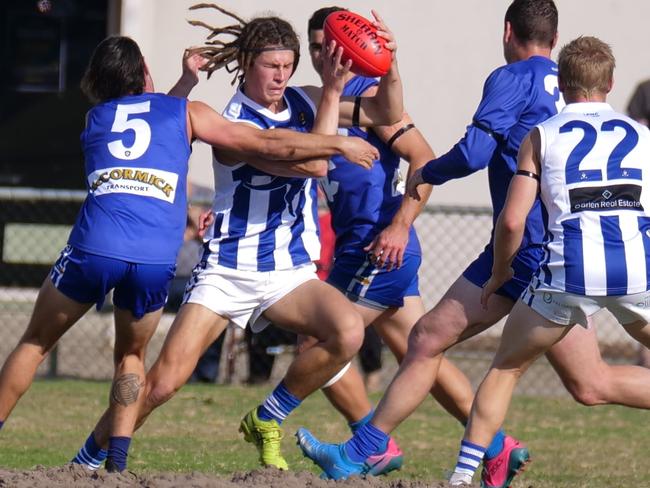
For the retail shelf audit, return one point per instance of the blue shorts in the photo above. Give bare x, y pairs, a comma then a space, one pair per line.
87, 278
524, 265
363, 283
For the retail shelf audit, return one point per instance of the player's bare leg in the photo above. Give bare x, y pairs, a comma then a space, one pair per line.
526, 336
348, 394
451, 389
193, 330
592, 381
457, 316
127, 391
53, 314
318, 310
315, 309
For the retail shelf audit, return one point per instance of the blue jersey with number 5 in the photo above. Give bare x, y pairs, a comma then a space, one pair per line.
136, 153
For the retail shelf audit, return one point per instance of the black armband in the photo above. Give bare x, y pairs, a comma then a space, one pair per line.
399, 134
530, 174
487, 130
356, 111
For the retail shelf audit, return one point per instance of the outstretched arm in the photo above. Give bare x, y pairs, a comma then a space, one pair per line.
511, 222
245, 142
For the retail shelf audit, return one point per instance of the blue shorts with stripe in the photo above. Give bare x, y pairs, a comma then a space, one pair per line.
524, 265
87, 278
362, 282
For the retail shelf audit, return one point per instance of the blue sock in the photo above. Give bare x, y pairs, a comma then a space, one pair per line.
354, 426
2, 422
118, 450
365, 442
278, 404
469, 458
91, 454
496, 446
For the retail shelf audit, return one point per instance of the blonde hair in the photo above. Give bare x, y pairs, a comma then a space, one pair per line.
586, 65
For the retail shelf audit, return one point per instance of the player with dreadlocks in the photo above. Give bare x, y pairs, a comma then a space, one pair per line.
257, 265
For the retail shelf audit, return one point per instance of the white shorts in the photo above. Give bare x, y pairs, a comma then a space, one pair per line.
566, 308
243, 296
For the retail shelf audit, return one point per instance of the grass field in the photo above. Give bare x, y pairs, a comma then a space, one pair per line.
572, 446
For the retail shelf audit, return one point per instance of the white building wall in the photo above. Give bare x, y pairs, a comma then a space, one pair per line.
446, 50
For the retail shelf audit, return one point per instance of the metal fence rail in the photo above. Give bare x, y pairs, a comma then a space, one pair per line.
34, 225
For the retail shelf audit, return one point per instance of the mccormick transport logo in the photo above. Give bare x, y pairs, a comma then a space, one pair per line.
146, 182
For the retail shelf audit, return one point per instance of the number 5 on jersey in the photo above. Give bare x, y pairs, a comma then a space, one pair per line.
140, 127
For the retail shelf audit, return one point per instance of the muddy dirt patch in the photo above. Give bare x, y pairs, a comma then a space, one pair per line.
75, 476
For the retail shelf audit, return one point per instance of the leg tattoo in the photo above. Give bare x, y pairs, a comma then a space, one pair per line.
126, 389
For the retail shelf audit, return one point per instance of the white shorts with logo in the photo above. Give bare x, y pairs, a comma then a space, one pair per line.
243, 296
566, 308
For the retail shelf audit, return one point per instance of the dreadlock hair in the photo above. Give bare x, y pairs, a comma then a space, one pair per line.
250, 39
116, 69
317, 19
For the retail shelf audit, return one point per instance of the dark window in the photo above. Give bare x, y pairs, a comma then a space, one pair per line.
44, 48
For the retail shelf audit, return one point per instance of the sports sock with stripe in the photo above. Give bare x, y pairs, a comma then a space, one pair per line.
278, 404
91, 454
469, 458
365, 442
496, 446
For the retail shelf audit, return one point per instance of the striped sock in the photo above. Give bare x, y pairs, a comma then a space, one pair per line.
469, 458
365, 442
356, 425
496, 446
278, 404
118, 451
91, 454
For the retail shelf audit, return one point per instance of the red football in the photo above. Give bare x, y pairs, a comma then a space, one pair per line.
360, 43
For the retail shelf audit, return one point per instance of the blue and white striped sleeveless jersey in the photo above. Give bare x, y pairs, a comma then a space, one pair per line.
264, 222
595, 187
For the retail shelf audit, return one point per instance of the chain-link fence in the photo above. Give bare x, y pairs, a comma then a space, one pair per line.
34, 226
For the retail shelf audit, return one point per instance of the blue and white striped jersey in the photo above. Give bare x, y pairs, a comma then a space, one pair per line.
264, 222
595, 188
